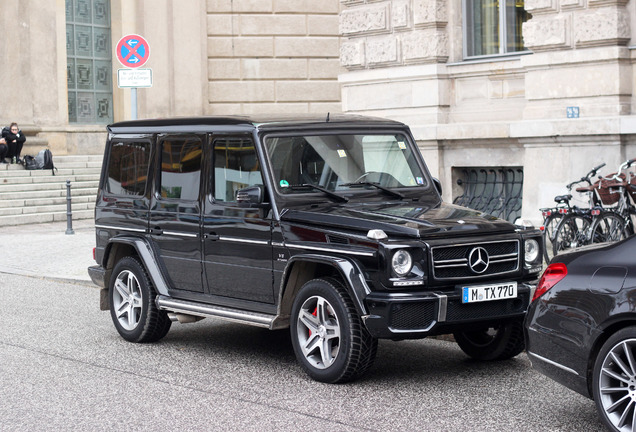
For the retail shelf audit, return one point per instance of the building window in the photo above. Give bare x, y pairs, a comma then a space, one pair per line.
493, 27
89, 66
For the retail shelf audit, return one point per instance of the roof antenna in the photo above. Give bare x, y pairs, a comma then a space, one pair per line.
327, 117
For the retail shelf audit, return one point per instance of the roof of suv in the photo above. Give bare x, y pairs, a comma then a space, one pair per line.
260, 122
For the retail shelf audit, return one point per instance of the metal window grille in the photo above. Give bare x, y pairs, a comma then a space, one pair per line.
494, 190
89, 64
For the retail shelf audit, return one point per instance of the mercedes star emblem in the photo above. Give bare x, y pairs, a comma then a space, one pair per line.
478, 260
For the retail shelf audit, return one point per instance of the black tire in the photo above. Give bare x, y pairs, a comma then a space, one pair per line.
570, 233
495, 343
549, 227
339, 349
132, 304
608, 227
612, 362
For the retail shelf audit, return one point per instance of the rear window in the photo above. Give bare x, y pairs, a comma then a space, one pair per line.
128, 168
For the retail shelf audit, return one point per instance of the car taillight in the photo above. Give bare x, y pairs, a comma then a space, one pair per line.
553, 274
94, 254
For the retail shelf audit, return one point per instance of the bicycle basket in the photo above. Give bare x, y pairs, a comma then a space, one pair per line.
609, 191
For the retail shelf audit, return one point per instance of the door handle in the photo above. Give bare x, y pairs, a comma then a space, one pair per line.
156, 231
212, 236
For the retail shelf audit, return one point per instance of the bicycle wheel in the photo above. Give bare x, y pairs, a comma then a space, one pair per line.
549, 228
570, 233
608, 227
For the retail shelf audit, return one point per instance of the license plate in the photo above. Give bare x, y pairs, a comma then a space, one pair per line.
481, 293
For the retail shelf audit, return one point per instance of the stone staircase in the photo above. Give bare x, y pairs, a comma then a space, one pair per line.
37, 196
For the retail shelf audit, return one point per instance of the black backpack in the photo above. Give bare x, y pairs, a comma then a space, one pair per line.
43, 160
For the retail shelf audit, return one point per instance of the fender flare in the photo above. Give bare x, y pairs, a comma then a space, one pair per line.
148, 260
351, 274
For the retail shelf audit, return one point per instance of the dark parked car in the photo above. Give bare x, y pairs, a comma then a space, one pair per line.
330, 226
581, 327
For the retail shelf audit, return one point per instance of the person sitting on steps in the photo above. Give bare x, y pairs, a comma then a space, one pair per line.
15, 140
3, 150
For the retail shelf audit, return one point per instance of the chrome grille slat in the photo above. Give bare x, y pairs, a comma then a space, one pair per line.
448, 262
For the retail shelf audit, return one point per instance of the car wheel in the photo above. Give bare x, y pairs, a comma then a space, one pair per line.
495, 343
614, 381
132, 304
329, 339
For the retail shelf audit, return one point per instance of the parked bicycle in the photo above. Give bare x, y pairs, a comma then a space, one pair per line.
607, 220
553, 215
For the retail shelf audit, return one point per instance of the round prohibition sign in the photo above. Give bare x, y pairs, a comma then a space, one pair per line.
133, 51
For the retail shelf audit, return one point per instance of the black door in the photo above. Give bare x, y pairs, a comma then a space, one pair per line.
175, 215
237, 250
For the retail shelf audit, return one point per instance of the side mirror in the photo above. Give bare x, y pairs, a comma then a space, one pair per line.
251, 197
438, 185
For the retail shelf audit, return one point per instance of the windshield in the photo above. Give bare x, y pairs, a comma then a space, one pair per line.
340, 162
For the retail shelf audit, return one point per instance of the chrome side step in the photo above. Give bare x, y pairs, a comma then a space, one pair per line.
205, 310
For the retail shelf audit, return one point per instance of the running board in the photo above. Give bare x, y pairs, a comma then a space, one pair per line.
205, 310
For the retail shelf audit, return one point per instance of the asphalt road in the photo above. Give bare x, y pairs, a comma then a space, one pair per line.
64, 367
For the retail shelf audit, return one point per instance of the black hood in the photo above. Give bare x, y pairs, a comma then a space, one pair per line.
405, 219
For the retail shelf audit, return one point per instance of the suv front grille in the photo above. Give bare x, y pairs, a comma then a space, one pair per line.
452, 262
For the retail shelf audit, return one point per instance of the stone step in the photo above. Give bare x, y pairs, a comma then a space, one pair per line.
31, 202
56, 208
48, 179
46, 186
44, 217
75, 191
47, 173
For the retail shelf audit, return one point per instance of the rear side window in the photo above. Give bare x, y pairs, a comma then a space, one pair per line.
128, 168
181, 168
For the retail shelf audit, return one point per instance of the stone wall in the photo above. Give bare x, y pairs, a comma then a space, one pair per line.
272, 56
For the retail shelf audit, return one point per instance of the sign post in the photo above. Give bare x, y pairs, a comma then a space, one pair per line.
133, 52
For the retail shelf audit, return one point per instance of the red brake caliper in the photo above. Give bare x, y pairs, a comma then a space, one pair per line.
314, 313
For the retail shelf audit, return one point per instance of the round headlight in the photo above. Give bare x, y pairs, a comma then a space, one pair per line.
402, 263
532, 250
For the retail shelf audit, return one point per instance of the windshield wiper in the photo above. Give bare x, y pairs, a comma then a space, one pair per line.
333, 195
375, 185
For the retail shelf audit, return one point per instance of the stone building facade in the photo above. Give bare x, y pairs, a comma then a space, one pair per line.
536, 90
207, 57
549, 112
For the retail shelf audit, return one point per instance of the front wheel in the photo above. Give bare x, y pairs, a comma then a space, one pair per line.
132, 304
571, 232
329, 339
614, 381
495, 343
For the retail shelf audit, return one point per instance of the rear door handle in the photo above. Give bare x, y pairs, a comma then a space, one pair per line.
212, 236
156, 231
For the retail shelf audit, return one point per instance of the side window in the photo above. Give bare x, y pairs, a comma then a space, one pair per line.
180, 168
128, 168
235, 167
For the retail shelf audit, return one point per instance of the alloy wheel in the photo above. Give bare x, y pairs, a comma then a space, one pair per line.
318, 332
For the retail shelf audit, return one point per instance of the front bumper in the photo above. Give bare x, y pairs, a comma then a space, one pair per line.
417, 315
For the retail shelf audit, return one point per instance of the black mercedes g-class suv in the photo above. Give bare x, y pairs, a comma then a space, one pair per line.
330, 226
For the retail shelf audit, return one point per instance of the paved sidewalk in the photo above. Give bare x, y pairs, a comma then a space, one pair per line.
45, 250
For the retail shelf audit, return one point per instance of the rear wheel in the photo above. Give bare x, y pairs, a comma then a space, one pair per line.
608, 227
614, 381
495, 343
329, 339
132, 304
